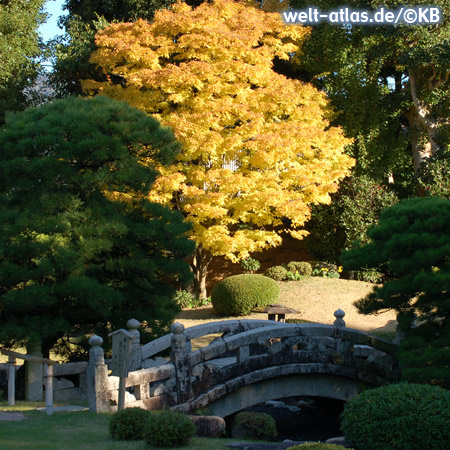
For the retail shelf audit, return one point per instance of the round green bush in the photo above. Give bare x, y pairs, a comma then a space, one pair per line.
239, 294
301, 267
317, 446
399, 416
277, 273
168, 429
251, 425
128, 424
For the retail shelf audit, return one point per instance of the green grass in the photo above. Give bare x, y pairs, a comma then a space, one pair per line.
82, 430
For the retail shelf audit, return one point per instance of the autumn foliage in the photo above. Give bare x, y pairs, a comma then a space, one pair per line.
257, 147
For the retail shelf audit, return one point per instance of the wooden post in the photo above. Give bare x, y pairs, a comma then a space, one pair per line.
49, 389
11, 380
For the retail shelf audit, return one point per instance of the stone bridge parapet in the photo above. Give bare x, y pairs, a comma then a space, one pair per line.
253, 360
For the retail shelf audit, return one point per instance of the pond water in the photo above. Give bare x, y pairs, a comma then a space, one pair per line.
317, 418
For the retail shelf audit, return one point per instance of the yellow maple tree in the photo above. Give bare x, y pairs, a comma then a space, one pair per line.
258, 147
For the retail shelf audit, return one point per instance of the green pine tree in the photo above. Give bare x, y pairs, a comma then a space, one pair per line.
412, 243
81, 249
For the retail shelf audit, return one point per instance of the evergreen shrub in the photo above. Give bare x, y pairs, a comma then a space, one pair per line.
317, 446
168, 429
302, 267
128, 424
277, 273
251, 425
399, 416
239, 294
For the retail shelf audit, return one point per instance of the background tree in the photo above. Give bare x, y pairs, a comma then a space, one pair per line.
391, 85
257, 147
353, 209
412, 242
19, 49
81, 249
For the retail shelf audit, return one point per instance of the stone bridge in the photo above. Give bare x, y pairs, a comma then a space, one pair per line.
252, 361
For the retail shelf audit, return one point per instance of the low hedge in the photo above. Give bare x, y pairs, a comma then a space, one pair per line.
400, 416
128, 424
168, 429
252, 425
239, 294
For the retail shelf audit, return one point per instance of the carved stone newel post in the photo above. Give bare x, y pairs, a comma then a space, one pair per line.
97, 377
181, 359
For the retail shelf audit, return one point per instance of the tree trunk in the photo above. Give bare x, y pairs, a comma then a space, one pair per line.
200, 264
424, 122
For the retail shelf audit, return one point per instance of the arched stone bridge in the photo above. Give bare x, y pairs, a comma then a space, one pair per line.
254, 361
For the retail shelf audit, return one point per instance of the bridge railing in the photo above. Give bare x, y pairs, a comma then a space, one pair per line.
244, 346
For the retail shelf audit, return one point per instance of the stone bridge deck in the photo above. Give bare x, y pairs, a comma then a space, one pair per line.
256, 360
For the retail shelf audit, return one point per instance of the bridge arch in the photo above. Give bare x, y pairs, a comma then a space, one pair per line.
300, 385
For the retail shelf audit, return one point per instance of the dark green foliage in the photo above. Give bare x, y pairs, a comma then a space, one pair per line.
425, 356
128, 424
354, 208
251, 425
168, 429
186, 299
398, 417
277, 273
74, 257
301, 267
434, 175
317, 446
250, 265
19, 51
412, 242
239, 294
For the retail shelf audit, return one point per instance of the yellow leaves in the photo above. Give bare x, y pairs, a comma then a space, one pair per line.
257, 146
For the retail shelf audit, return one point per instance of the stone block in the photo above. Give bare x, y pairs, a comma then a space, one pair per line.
114, 396
253, 377
62, 383
200, 402
243, 353
156, 389
217, 392
170, 385
113, 383
154, 362
213, 351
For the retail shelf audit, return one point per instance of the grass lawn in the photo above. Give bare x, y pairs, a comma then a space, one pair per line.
74, 430
316, 299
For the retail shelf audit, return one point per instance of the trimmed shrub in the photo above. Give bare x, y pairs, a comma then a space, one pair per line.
168, 429
128, 424
317, 446
277, 273
399, 416
239, 294
302, 267
251, 425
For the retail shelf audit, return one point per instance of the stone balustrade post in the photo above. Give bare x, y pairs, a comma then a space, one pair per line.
181, 359
136, 351
342, 347
97, 377
34, 376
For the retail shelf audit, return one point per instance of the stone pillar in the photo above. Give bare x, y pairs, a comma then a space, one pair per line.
342, 347
181, 359
34, 377
97, 377
135, 352
339, 322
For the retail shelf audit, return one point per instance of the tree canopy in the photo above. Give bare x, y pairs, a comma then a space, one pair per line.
258, 147
412, 242
19, 46
81, 248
